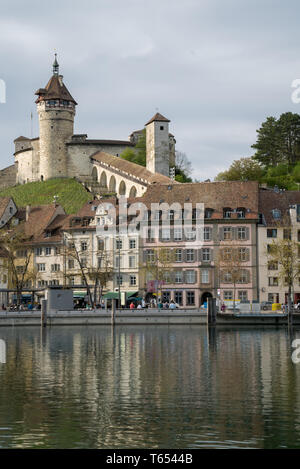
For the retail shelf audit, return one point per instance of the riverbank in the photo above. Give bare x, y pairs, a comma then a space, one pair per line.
140, 317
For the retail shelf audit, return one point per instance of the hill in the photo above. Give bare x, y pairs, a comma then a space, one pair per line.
71, 194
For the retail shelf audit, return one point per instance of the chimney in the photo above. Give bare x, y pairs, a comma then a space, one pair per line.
27, 211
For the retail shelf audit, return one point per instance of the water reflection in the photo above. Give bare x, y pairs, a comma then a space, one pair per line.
152, 387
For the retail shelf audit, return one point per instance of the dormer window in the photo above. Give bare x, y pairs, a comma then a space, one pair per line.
276, 213
208, 212
241, 212
227, 212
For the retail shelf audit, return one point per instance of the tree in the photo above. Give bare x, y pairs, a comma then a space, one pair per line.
101, 274
278, 140
244, 169
230, 264
17, 260
137, 155
158, 265
285, 252
183, 167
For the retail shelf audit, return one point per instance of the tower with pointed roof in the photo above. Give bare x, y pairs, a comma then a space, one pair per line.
158, 145
56, 111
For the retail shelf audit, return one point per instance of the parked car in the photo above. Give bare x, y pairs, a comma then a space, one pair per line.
266, 305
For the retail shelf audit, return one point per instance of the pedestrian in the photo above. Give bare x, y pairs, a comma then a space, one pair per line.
131, 306
139, 306
223, 308
172, 305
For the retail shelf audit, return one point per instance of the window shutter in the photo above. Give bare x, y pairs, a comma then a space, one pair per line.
234, 232
247, 254
200, 255
195, 273
145, 256
211, 255
183, 277
221, 234
184, 255
247, 233
248, 276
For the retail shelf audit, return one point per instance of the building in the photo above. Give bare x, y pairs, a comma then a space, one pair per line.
59, 153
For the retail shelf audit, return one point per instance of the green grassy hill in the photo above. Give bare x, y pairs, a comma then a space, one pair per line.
71, 194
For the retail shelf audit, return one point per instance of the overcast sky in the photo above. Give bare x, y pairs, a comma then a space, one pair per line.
215, 68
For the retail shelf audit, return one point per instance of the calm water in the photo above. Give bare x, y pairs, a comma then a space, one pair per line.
148, 387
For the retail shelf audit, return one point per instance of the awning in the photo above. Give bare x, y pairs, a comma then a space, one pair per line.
79, 294
111, 295
129, 294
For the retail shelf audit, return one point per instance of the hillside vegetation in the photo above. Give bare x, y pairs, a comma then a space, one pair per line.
70, 194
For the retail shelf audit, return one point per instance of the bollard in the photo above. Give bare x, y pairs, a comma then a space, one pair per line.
113, 311
44, 313
211, 311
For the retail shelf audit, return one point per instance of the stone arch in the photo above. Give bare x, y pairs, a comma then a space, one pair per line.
122, 188
112, 184
133, 192
95, 174
103, 179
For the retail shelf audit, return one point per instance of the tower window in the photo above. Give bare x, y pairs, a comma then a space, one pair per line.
161, 127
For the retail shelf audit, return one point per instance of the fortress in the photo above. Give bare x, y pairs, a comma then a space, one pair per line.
59, 153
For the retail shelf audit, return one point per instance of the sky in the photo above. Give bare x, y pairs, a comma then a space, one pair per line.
216, 68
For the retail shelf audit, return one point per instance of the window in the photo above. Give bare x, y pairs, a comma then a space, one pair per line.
228, 295
167, 277
227, 232
227, 254
276, 213
42, 283
55, 267
132, 280
178, 276
39, 251
119, 280
150, 235
241, 233
208, 212
240, 212
22, 253
100, 244
227, 212
132, 262
83, 262
272, 265
118, 261
47, 251
190, 298
119, 243
207, 233
273, 281
190, 276
56, 250
54, 282
71, 263
161, 127
227, 277
71, 280
41, 267
165, 234
132, 244
273, 297
243, 295
177, 234
190, 234
178, 297
287, 234
242, 252
271, 233
150, 256
204, 276
206, 255
190, 255
166, 295
83, 245
20, 269
243, 278
99, 262
178, 255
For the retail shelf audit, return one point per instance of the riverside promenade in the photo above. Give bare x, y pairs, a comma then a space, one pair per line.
140, 317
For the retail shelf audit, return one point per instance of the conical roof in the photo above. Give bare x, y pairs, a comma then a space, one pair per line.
55, 89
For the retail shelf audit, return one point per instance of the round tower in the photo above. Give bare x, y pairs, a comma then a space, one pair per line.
56, 110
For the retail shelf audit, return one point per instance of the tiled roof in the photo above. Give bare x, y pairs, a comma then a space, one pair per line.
215, 195
4, 201
100, 142
55, 89
271, 200
129, 168
158, 117
41, 219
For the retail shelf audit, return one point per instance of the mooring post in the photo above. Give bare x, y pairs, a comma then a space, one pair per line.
211, 311
113, 311
44, 313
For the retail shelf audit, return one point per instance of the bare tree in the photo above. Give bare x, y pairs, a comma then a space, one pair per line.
158, 265
182, 163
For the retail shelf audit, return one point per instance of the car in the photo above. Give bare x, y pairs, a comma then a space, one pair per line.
265, 305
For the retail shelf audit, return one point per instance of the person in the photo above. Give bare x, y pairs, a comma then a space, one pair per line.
131, 306
3, 307
298, 304
143, 303
166, 305
223, 308
139, 306
172, 305
160, 305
